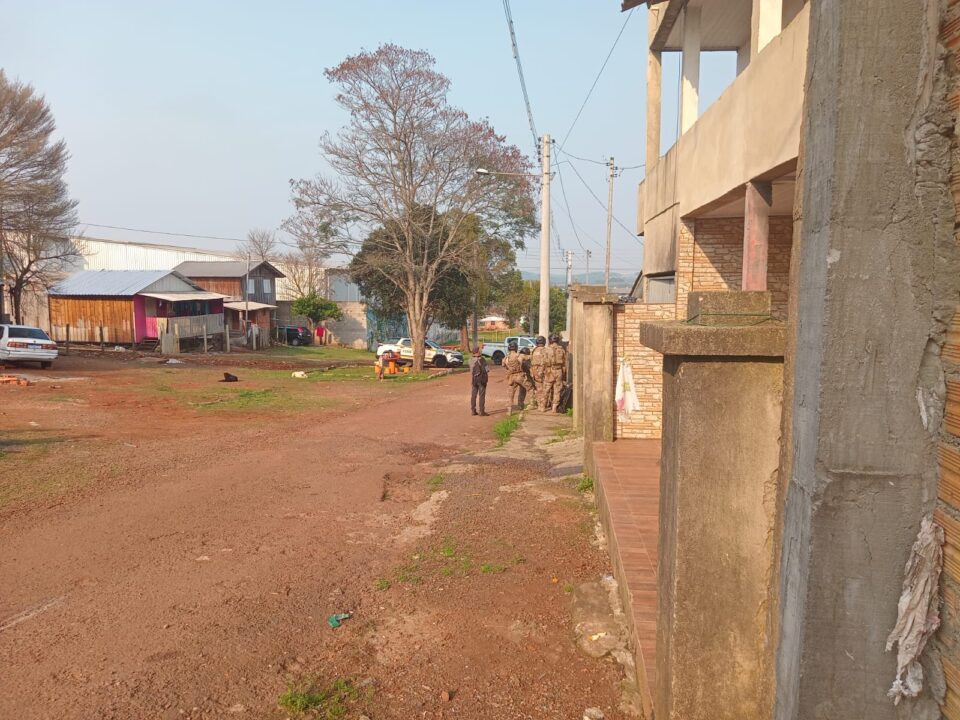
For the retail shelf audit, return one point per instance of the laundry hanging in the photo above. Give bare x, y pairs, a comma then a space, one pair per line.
626, 395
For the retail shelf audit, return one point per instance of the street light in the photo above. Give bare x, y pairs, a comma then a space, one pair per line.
544, 231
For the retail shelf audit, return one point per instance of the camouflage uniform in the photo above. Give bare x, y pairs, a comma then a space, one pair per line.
538, 367
516, 376
554, 377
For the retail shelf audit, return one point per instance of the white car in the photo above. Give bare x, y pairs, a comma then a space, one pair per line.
22, 343
433, 353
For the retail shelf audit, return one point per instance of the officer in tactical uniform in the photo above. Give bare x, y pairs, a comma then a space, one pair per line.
538, 367
556, 374
516, 366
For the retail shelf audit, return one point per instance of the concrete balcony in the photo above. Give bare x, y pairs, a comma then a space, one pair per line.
752, 132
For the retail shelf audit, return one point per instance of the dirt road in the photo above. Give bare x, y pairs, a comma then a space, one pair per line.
162, 560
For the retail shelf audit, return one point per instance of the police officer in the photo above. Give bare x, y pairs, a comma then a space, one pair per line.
555, 375
516, 366
538, 367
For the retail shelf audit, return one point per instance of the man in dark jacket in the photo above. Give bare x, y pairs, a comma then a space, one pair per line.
478, 382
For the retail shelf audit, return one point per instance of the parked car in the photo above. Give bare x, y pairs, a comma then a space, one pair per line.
433, 353
497, 351
295, 335
22, 343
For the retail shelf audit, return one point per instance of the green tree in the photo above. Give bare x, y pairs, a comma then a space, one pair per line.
316, 308
558, 307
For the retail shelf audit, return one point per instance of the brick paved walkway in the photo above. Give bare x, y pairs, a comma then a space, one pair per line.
628, 495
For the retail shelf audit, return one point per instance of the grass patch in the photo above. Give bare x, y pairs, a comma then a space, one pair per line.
567, 588
560, 434
329, 702
316, 353
585, 484
382, 584
448, 549
569, 412
505, 428
492, 568
409, 574
435, 482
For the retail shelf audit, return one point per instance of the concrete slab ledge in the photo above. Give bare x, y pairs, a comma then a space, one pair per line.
765, 339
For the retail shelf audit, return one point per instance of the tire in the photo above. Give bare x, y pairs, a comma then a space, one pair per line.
45, 365
295, 342
497, 358
440, 361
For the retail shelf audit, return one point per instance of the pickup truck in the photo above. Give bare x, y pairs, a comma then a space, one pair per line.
433, 353
497, 351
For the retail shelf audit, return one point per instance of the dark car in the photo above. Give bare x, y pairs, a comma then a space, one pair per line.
295, 335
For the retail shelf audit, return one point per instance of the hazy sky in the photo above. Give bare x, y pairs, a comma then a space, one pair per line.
191, 117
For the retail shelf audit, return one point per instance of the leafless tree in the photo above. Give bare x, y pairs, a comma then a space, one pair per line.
259, 246
37, 215
404, 165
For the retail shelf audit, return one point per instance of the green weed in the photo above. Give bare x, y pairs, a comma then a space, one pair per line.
492, 568
448, 549
568, 588
409, 574
382, 584
585, 484
330, 702
505, 428
435, 482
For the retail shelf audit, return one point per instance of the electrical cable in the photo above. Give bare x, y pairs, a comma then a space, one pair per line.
523, 82
160, 232
601, 203
596, 79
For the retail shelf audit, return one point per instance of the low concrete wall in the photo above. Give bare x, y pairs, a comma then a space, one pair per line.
598, 378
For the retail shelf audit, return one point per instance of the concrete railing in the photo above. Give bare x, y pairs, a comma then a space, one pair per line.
191, 326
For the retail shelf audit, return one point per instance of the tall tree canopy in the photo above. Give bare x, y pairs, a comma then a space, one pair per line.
403, 196
37, 215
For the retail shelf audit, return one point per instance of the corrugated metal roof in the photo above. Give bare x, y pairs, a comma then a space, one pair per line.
220, 268
181, 296
241, 305
120, 283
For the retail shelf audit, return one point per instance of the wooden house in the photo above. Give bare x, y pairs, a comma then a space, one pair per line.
129, 306
251, 291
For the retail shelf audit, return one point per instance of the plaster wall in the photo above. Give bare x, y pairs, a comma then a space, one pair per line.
877, 281
598, 377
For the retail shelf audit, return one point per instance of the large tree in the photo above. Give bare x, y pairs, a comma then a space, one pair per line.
37, 215
259, 246
405, 164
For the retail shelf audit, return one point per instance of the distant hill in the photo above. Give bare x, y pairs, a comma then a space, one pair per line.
617, 280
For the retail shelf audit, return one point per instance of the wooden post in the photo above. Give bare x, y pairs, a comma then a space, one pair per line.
176, 339
204, 337
67, 351
101, 338
226, 337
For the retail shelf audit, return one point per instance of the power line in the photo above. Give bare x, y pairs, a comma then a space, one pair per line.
566, 204
601, 203
160, 232
596, 79
523, 83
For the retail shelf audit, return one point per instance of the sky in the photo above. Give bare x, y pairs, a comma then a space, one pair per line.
192, 117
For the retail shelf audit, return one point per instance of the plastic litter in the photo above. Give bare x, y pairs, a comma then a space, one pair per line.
597, 636
300, 374
118, 348
174, 361
918, 612
336, 620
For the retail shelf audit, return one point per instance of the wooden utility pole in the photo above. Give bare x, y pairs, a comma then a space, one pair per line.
606, 265
544, 324
569, 254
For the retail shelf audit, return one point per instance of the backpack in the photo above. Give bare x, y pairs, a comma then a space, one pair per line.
479, 371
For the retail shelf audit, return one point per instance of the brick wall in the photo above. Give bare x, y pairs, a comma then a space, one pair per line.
948, 489
710, 257
647, 366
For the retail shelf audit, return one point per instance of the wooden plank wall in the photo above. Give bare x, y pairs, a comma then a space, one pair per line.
948, 491
225, 286
85, 315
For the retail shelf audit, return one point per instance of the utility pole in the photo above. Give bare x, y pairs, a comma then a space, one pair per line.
588, 266
569, 254
606, 266
544, 323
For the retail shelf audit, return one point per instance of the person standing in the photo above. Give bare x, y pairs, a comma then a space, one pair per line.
516, 366
478, 382
538, 368
555, 375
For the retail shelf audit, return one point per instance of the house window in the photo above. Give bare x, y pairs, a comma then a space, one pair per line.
662, 289
268, 286
251, 286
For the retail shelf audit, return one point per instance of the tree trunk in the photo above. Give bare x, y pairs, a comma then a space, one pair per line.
16, 297
465, 339
418, 335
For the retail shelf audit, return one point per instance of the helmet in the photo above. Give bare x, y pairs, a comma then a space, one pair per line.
555, 338
525, 351
541, 341
512, 345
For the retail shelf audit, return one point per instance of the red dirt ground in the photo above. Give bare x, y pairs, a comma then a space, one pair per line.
162, 559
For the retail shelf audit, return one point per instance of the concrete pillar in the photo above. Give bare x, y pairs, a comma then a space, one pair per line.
766, 21
690, 91
598, 331
654, 90
877, 276
722, 389
756, 235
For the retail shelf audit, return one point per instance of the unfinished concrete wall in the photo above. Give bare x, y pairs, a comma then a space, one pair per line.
597, 376
647, 367
877, 282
